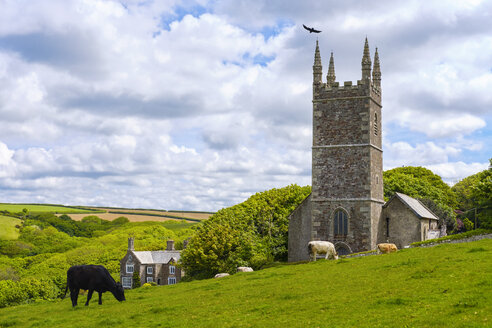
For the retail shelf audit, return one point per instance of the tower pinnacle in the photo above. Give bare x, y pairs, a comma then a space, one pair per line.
317, 68
330, 77
376, 73
366, 63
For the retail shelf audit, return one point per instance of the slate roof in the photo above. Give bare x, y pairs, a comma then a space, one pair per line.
415, 206
153, 257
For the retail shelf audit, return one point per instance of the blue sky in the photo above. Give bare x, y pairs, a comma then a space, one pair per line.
198, 104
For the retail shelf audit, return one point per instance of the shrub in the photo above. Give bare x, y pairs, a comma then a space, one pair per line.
468, 224
120, 220
136, 280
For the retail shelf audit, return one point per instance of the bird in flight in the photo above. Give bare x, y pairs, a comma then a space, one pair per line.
310, 29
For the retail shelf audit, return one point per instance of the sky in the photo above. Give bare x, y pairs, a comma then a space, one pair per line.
197, 105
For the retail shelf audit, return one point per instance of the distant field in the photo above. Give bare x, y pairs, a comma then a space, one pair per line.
7, 227
37, 208
171, 214
132, 218
108, 213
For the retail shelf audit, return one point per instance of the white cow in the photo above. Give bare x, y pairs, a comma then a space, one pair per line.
221, 275
244, 269
320, 247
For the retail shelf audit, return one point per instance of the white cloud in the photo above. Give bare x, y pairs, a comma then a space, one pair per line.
198, 105
453, 172
402, 153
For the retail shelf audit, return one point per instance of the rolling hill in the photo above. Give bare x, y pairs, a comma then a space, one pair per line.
444, 286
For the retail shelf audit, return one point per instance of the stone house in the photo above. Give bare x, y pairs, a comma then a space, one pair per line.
406, 220
151, 266
346, 205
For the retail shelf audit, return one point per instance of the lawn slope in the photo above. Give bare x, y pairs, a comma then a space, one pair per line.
8, 230
443, 286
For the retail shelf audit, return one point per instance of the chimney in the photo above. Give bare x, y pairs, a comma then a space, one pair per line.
130, 244
170, 245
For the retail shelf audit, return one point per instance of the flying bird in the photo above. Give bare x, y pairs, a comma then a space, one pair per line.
310, 29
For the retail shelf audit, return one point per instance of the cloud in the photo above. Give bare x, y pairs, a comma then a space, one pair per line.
198, 105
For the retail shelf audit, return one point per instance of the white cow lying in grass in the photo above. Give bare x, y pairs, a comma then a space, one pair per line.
320, 247
221, 275
244, 269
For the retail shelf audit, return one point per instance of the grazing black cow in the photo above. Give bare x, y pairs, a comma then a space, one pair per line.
92, 278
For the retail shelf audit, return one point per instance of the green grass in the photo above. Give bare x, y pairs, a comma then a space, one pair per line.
38, 208
7, 227
444, 286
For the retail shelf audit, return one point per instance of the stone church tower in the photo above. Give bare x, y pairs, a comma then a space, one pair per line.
347, 163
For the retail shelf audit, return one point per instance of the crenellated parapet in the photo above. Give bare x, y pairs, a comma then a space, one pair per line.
365, 87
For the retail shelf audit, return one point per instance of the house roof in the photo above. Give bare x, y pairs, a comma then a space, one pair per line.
152, 257
415, 206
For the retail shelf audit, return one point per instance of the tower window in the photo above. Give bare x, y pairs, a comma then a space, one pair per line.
376, 124
340, 224
387, 227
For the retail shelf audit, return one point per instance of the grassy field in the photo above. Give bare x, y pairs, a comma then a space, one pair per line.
443, 286
110, 214
7, 227
38, 208
142, 216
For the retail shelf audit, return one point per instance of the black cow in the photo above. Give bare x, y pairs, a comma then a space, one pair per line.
92, 278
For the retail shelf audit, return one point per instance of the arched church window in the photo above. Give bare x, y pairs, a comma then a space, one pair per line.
340, 224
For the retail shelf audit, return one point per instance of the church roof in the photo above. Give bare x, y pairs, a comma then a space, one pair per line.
152, 257
415, 206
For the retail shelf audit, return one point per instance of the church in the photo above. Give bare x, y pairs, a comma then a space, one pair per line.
346, 205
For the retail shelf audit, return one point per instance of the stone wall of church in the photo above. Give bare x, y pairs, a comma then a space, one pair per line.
300, 231
360, 229
404, 225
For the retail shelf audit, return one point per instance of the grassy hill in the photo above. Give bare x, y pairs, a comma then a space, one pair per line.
8, 231
444, 286
46, 208
108, 213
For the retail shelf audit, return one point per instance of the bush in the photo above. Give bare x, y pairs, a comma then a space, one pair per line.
136, 280
120, 220
468, 224
26, 290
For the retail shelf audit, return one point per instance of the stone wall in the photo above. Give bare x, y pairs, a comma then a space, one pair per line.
347, 162
300, 231
404, 225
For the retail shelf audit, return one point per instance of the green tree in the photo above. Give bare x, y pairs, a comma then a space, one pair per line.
463, 191
481, 194
251, 233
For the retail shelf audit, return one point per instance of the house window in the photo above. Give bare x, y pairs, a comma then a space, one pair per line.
150, 279
340, 224
126, 282
171, 280
387, 227
172, 269
129, 268
150, 270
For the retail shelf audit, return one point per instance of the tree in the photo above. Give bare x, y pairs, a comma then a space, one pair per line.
482, 196
418, 182
463, 191
252, 233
